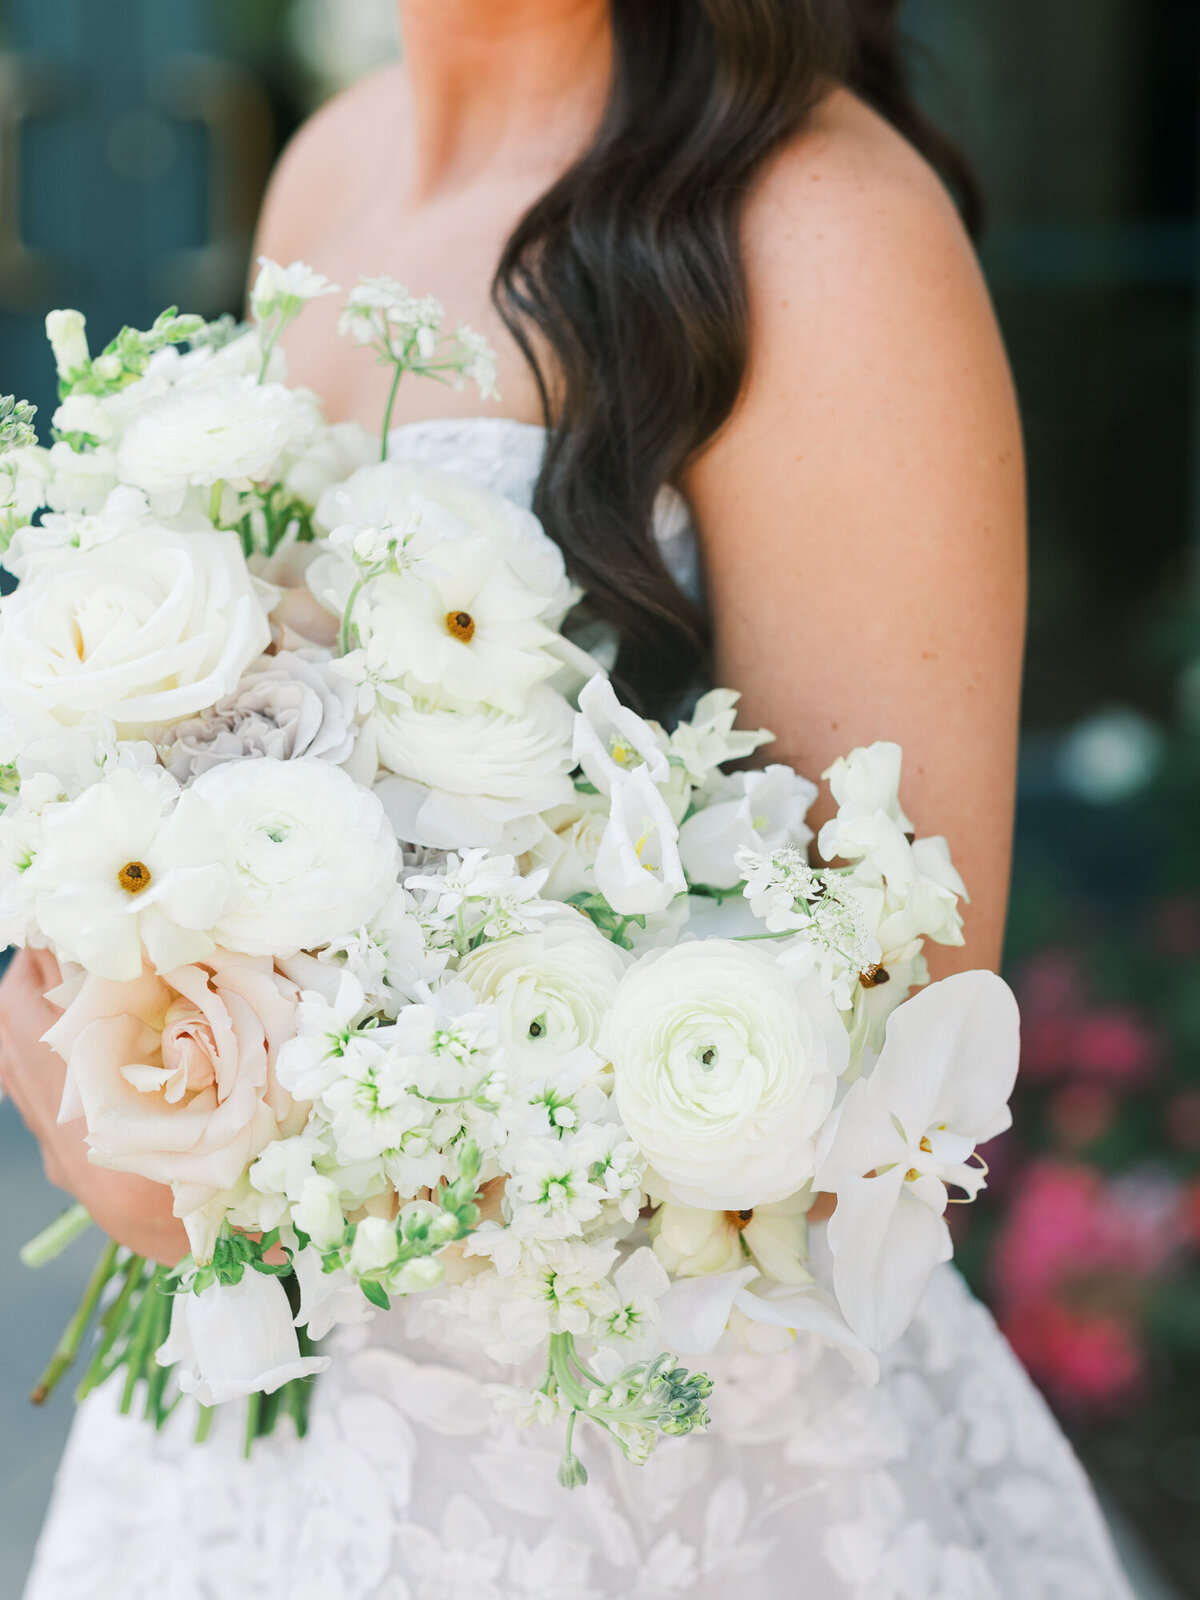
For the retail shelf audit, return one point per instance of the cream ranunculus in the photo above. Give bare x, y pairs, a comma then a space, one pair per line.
147, 627
552, 988
175, 1074
470, 773
311, 854
725, 1072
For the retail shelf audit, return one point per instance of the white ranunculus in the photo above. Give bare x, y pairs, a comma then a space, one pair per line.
552, 988
906, 1130
311, 853
125, 866
287, 706
611, 741
638, 870
335, 451
146, 627
752, 811
216, 426
469, 773
235, 1340
725, 1072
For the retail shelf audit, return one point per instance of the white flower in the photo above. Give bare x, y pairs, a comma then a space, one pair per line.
318, 1213
389, 956
708, 740
610, 741
66, 331
327, 1029
466, 625
79, 480
286, 706
328, 1300
552, 1188
637, 866
333, 452
752, 810
725, 1072
381, 312
278, 289
905, 1131
567, 845
147, 627
691, 1243
310, 850
630, 1318
86, 414
470, 773
375, 1246
216, 426
235, 1340
126, 866
553, 989
866, 786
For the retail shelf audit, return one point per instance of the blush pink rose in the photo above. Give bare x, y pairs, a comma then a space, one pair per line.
175, 1073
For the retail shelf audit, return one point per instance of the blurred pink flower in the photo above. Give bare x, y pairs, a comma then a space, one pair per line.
1083, 1359
1080, 1113
1117, 1045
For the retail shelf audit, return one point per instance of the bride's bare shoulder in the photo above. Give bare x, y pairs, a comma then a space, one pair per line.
331, 164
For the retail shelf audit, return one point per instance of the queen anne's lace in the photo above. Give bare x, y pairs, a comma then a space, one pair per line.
948, 1481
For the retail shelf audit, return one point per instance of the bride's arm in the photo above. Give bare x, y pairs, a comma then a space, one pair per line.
863, 513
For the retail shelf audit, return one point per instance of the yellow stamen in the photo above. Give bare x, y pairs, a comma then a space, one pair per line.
460, 625
134, 876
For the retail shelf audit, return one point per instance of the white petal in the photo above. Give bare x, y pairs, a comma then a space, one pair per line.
885, 1244
694, 1311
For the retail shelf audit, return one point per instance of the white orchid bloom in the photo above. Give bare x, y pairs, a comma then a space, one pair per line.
235, 1340
611, 741
905, 1131
638, 870
763, 811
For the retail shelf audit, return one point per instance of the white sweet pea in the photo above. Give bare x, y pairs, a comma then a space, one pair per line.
638, 870
311, 853
905, 1131
328, 1300
750, 811
235, 1340
725, 1071
127, 865
708, 740
610, 741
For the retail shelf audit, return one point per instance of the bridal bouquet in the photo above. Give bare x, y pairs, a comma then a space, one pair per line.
415, 963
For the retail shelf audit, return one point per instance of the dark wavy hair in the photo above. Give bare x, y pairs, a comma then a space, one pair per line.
628, 275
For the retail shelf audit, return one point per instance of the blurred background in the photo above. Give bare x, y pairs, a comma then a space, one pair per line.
135, 140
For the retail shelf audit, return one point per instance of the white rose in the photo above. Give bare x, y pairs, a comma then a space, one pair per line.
216, 426
553, 988
311, 853
472, 772
725, 1072
148, 626
235, 1340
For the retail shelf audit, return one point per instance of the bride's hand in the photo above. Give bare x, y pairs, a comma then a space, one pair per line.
134, 1211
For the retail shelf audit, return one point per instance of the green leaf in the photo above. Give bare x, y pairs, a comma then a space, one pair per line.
375, 1293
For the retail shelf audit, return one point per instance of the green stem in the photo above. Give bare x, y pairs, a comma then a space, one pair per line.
68, 1346
214, 503
156, 1377
113, 1324
387, 410
348, 615
253, 1412
143, 1337
204, 1423
53, 1240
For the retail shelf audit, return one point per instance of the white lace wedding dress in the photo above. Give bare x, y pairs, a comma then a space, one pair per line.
949, 1481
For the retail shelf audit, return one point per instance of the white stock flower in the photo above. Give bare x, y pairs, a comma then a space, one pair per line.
638, 870
749, 811
287, 706
610, 741
216, 426
146, 627
552, 988
66, 331
389, 955
318, 1213
127, 865
470, 773
375, 1246
725, 1072
79, 481
311, 853
627, 1317
328, 1300
85, 414
906, 1130
235, 1340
